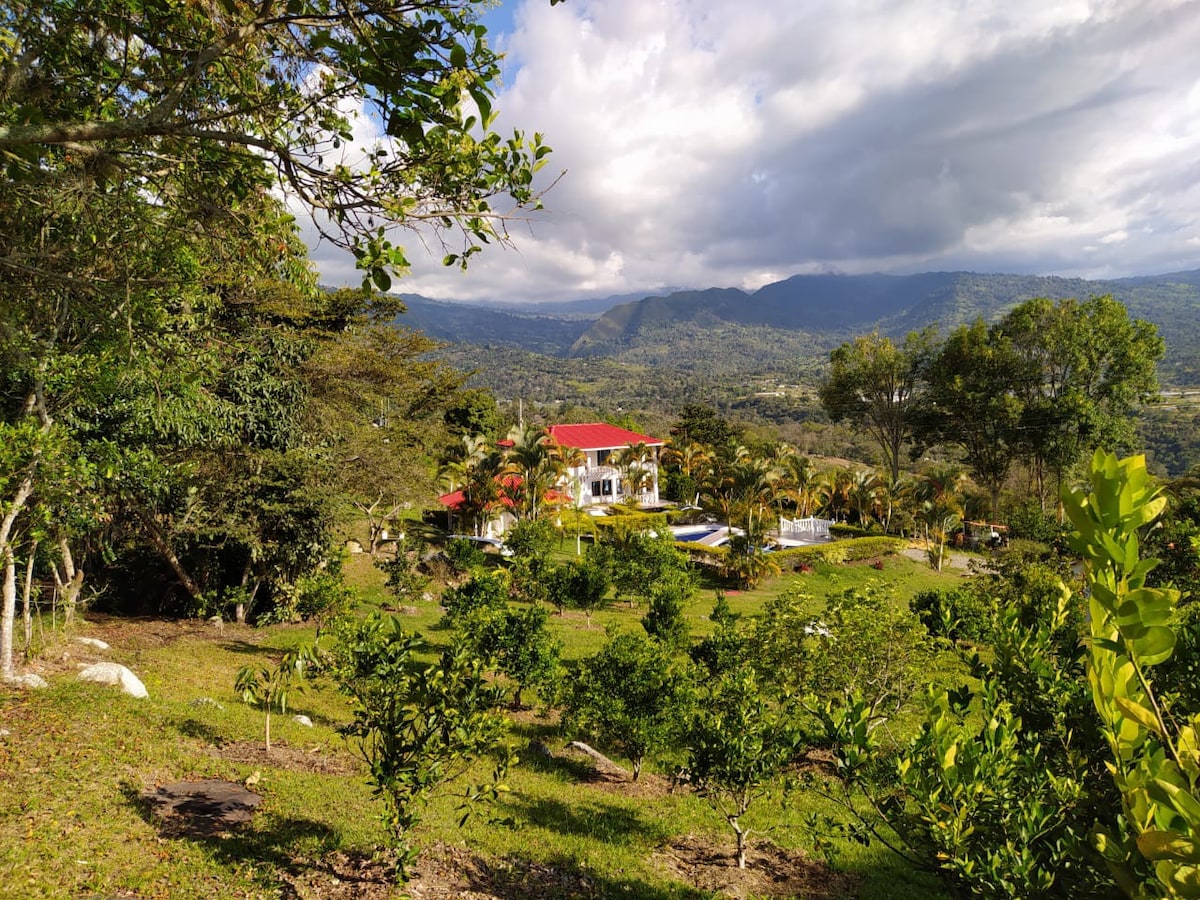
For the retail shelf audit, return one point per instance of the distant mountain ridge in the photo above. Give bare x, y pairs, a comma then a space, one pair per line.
823, 309
832, 307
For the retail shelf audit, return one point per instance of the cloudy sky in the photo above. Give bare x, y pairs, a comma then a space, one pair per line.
735, 143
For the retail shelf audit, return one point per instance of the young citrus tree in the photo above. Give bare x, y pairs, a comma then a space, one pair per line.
634, 696
417, 725
739, 741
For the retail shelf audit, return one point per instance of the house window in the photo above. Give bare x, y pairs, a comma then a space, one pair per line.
603, 457
595, 489
602, 488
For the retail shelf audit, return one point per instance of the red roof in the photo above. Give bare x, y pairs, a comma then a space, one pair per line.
454, 499
599, 436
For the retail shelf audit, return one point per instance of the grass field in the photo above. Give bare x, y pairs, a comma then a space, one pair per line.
75, 760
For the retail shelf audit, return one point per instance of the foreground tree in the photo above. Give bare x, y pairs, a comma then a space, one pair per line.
1155, 761
739, 741
142, 143
417, 725
144, 87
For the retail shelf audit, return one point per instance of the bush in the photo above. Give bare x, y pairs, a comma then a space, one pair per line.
957, 614
464, 555
319, 597
581, 583
404, 578
485, 590
634, 696
516, 643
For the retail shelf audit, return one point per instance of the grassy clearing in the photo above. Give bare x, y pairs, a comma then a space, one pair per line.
76, 758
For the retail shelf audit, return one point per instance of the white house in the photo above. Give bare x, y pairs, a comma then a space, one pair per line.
599, 479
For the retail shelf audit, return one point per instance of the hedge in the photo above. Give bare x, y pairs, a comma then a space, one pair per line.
793, 559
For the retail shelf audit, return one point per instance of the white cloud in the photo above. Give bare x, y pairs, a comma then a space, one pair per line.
718, 142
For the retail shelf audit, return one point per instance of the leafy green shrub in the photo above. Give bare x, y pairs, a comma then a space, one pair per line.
485, 590
405, 580
581, 583
320, 597
531, 539
845, 530
665, 598
1031, 522
634, 696
957, 614
999, 791
739, 740
727, 646
417, 726
516, 643
464, 555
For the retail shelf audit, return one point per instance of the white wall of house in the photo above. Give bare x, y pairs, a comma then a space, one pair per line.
599, 481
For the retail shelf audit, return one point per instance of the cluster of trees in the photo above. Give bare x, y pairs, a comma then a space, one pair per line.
1066, 766
170, 376
1044, 386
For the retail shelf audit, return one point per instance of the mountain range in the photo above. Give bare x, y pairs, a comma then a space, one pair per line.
804, 313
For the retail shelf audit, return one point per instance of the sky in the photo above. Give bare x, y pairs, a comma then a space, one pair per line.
732, 143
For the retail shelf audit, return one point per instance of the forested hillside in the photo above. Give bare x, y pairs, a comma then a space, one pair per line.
789, 327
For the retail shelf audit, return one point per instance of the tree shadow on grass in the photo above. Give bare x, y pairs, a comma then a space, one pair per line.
202, 731
537, 757
562, 878
594, 819
246, 648
291, 846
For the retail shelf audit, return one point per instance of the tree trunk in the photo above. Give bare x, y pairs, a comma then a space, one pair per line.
8, 607
9, 611
741, 841
240, 610
26, 596
71, 583
637, 767
163, 546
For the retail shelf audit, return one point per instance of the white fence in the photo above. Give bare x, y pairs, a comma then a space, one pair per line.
812, 528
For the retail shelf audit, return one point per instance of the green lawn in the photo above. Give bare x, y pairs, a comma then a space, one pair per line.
76, 757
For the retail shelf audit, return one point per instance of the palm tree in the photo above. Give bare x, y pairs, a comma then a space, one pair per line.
864, 494
478, 475
634, 464
533, 466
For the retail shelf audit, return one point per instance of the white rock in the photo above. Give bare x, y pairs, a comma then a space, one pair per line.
303, 720
113, 673
216, 622
35, 682
95, 643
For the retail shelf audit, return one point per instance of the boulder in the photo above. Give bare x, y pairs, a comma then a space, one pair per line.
113, 673
94, 643
34, 682
303, 720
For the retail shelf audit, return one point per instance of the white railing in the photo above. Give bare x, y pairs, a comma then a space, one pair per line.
811, 528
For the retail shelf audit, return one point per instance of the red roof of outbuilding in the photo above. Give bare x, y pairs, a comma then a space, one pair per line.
599, 436
454, 499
